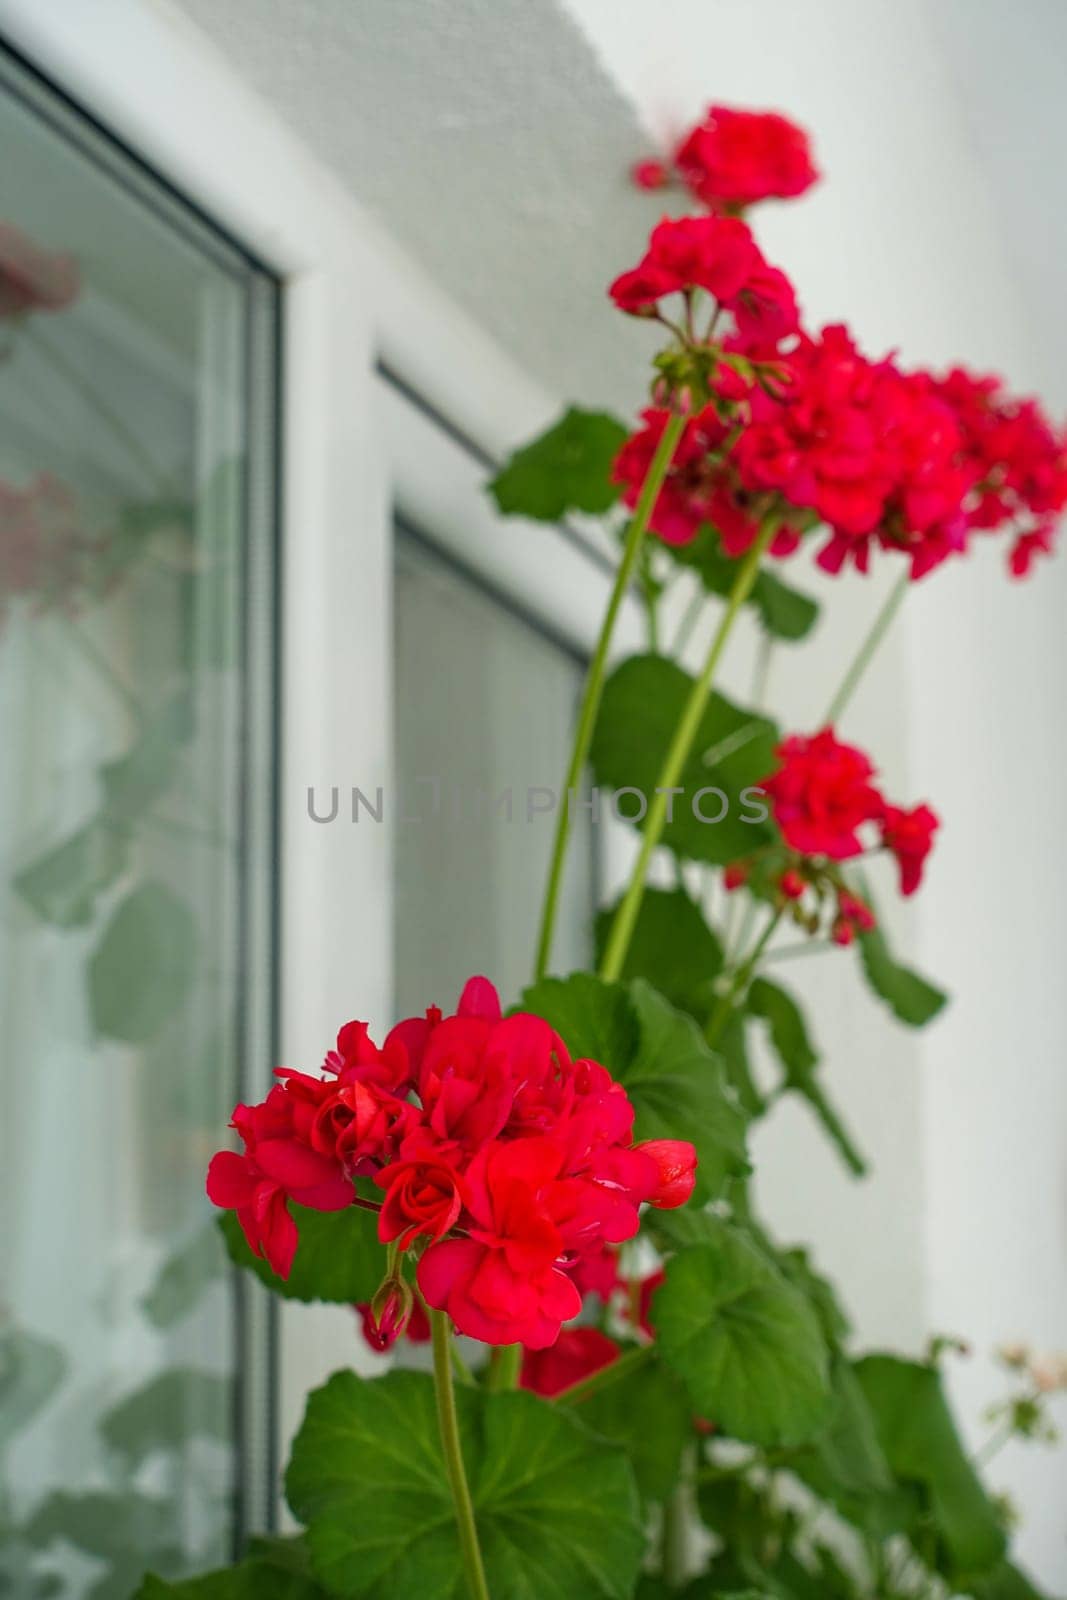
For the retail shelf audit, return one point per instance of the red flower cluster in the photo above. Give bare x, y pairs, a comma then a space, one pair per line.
696, 490
734, 158
720, 256
876, 454
32, 279
1016, 463
506, 1163
822, 795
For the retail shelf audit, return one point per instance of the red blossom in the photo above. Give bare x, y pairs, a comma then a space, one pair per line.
512, 1165
910, 836
735, 158
720, 256
576, 1354
822, 794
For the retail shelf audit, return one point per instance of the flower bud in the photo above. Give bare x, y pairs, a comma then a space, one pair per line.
649, 174
676, 1164
734, 876
791, 884
388, 1313
842, 932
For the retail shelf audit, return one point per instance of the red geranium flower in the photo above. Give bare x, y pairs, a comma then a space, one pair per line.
576, 1354
822, 794
735, 158
910, 836
516, 1164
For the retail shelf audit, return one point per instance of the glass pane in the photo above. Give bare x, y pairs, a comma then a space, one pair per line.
125, 349
485, 701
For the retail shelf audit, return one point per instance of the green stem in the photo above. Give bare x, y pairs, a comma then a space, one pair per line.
681, 745
674, 1535
594, 683
505, 1367
673, 1539
604, 1377
879, 628
448, 1423
725, 1003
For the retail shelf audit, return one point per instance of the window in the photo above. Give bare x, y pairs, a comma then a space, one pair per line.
485, 700
137, 642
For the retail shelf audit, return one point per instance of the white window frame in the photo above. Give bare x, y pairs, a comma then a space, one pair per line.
358, 446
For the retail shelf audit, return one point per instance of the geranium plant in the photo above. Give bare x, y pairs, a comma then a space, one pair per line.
652, 1394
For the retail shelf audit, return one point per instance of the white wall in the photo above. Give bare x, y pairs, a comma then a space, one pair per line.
966, 1230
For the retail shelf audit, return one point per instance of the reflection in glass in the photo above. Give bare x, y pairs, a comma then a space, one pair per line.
484, 700
124, 348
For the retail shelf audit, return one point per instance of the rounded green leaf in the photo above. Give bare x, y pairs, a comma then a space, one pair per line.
338, 1258
556, 1507
642, 705
566, 469
746, 1343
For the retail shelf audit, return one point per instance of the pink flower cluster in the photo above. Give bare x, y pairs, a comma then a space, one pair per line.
733, 159
504, 1164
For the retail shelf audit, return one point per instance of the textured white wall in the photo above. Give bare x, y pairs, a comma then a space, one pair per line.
934, 232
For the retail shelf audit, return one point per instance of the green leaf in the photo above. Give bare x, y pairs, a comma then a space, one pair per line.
566, 469
368, 1479
143, 966
183, 1278
135, 781
274, 1569
789, 1036
732, 1049
61, 886
658, 1054
171, 1408
596, 1020
918, 1436
784, 612
733, 752
795, 1264
679, 1091
31, 1370
338, 1258
744, 1340
650, 1417
671, 946
846, 1464
910, 997
1006, 1582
